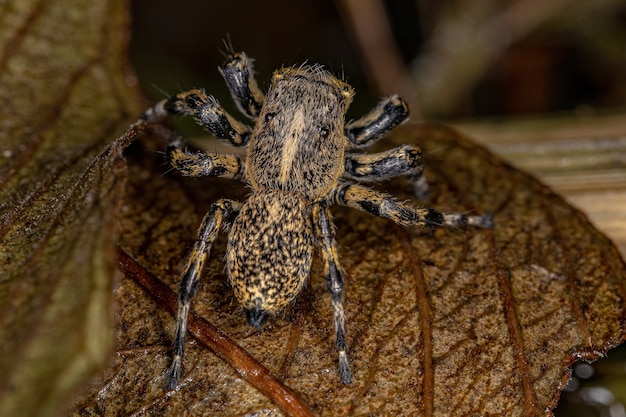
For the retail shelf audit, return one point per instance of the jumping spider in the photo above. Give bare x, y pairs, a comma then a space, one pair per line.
299, 161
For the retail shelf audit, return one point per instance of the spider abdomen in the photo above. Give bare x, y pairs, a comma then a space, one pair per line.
270, 247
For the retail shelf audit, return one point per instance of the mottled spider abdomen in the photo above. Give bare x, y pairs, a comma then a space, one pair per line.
269, 252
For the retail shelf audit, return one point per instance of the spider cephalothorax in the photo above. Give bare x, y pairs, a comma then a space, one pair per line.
299, 161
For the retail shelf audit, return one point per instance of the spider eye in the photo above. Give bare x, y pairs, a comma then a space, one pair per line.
324, 132
268, 117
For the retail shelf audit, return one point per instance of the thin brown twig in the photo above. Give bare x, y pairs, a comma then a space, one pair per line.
224, 347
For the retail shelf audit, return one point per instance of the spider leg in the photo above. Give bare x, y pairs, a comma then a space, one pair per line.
384, 205
201, 164
389, 113
238, 73
207, 112
404, 160
334, 279
222, 211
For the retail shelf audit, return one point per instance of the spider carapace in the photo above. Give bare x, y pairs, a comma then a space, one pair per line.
302, 156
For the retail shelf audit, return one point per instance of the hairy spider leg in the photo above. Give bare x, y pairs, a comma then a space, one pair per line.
375, 125
389, 113
384, 205
334, 272
201, 164
206, 111
221, 212
238, 73
405, 160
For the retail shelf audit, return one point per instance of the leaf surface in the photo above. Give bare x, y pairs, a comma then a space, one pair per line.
62, 100
448, 322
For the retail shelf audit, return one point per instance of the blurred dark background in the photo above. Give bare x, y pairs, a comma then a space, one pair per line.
449, 59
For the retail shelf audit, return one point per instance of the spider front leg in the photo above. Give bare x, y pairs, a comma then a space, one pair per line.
200, 164
405, 160
384, 205
334, 278
207, 112
389, 113
221, 212
238, 73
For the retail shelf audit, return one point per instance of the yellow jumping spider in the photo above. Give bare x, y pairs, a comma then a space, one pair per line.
299, 160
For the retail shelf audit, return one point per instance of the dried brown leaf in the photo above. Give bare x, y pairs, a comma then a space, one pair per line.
453, 322
450, 322
62, 99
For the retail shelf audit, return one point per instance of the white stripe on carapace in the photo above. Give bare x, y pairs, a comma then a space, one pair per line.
290, 147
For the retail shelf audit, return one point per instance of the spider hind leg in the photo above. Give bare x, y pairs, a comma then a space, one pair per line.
334, 279
221, 212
